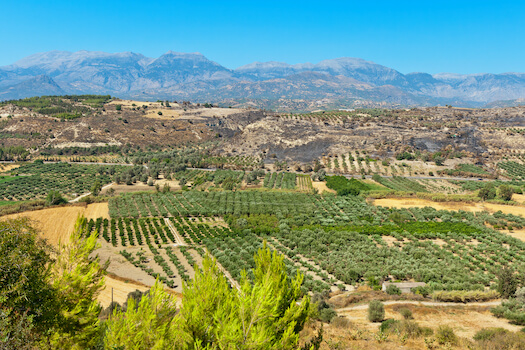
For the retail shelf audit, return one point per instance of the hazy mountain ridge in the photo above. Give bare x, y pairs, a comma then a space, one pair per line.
192, 76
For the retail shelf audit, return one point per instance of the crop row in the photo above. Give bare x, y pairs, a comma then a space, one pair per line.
461, 261
35, 180
513, 169
399, 183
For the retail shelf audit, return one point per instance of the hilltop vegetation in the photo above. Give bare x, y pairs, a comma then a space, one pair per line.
64, 107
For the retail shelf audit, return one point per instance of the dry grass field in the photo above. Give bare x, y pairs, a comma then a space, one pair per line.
472, 207
56, 224
120, 289
321, 187
464, 320
97, 210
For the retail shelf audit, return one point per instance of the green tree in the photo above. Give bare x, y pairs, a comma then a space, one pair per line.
77, 279
259, 313
24, 275
96, 188
54, 198
507, 282
147, 324
487, 192
376, 311
505, 192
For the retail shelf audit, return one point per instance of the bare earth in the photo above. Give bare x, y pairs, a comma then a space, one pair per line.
97, 210
120, 290
472, 207
465, 320
321, 186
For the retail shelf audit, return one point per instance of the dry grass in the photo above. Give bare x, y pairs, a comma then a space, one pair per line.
472, 207
120, 289
465, 321
419, 203
520, 198
97, 210
321, 186
8, 167
55, 224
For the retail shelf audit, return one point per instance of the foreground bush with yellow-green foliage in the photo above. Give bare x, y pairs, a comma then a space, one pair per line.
262, 314
47, 296
48, 300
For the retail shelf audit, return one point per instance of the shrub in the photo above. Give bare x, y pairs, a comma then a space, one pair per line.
487, 192
488, 333
327, 314
389, 324
376, 311
393, 290
505, 192
423, 291
507, 282
340, 322
446, 335
498, 338
406, 313
54, 198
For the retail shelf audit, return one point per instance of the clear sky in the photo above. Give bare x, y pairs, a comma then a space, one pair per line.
410, 36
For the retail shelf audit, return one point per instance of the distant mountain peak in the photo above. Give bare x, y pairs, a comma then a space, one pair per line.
193, 76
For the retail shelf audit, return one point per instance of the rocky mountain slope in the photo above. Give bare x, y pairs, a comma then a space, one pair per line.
341, 82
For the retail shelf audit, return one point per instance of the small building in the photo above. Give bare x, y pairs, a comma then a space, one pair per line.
406, 287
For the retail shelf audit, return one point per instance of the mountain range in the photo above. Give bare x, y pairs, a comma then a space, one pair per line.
340, 82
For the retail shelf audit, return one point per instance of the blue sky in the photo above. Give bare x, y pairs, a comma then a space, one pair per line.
425, 36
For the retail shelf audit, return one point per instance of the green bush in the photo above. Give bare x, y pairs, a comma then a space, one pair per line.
488, 333
54, 198
507, 282
393, 290
406, 313
376, 311
389, 324
327, 314
446, 335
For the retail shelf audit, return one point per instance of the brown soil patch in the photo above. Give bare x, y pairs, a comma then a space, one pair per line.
473, 207
520, 198
519, 234
120, 290
465, 321
8, 167
127, 189
321, 186
419, 203
97, 210
166, 114
55, 224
